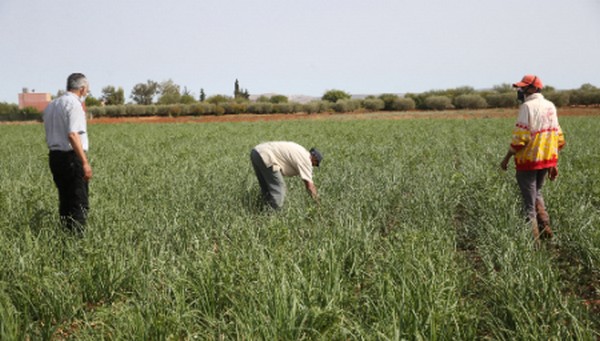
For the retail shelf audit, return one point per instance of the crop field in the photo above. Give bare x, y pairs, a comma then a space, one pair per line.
418, 236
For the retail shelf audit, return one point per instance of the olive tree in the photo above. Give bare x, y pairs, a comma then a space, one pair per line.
335, 95
169, 92
438, 103
275, 99
143, 93
501, 100
470, 101
113, 96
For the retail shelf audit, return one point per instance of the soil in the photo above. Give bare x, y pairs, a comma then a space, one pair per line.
458, 114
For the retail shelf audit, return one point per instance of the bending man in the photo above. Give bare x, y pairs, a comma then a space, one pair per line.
274, 160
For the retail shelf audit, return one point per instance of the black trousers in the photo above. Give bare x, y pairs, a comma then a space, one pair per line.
67, 172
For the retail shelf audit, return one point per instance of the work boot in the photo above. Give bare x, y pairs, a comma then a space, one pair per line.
546, 231
540, 211
543, 221
536, 232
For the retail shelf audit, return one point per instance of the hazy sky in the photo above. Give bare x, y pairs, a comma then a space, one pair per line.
296, 47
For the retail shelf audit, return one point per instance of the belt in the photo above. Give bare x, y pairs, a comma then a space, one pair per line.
56, 151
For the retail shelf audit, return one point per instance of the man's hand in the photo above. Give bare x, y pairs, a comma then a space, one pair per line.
504, 163
75, 141
312, 190
553, 173
87, 172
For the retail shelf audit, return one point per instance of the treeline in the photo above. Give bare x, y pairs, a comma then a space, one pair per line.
11, 112
502, 96
167, 99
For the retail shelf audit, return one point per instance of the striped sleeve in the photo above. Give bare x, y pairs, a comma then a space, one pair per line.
561, 139
521, 135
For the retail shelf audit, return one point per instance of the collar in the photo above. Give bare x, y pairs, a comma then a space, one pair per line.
536, 95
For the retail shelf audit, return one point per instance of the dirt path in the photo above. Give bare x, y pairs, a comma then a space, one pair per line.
399, 115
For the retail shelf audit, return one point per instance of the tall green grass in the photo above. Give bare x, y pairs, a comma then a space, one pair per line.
418, 236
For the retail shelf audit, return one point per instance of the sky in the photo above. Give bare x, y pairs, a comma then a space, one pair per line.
297, 47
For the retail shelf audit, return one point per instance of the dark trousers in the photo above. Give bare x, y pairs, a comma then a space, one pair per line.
271, 183
530, 184
67, 172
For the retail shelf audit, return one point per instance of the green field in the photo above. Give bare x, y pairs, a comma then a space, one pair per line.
418, 236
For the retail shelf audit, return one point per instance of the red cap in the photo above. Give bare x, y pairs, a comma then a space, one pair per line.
529, 80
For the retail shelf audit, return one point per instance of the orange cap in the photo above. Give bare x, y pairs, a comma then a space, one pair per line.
529, 80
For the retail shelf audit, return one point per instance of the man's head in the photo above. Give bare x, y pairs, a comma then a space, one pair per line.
530, 84
78, 83
530, 81
315, 157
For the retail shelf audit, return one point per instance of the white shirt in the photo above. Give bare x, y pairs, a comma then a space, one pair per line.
63, 116
538, 114
288, 157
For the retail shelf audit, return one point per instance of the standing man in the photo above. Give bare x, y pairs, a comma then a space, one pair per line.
67, 139
536, 140
273, 160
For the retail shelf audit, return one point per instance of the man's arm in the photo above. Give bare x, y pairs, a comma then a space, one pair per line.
78, 149
504, 163
312, 189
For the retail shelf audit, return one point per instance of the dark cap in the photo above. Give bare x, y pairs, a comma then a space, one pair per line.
317, 154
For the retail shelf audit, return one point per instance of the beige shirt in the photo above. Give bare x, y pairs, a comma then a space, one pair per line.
289, 158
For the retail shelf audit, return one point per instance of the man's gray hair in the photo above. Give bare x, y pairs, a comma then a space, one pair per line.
77, 81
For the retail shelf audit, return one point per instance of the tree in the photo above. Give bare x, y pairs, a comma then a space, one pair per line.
112, 96
275, 99
239, 93
504, 88
404, 104
218, 99
587, 94
438, 103
388, 101
263, 98
91, 101
144, 93
187, 97
373, 104
501, 100
559, 98
335, 95
202, 95
470, 101
588, 87
8, 108
169, 93
461, 90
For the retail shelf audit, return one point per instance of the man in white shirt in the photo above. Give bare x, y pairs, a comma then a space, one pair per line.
67, 140
536, 141
273, 160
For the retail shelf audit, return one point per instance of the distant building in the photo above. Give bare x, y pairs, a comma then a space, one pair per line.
35, 100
